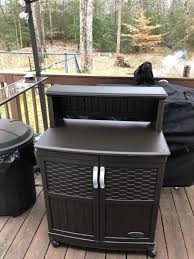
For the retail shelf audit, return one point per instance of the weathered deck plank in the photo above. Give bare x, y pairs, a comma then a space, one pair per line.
174, 238
11, 228
3, 221
40, 242
95, 254
26, 236
160, 241
53, 253
116, 255
186, 218
190, 195
26, 233
136, 256
75, 253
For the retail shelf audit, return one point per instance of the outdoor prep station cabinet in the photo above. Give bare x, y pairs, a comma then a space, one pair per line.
102, 163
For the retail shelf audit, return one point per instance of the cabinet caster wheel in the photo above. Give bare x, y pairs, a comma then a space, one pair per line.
55, 243
152, 253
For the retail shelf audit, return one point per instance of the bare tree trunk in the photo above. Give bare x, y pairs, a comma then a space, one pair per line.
43, 41
15, 23
51, 26
64, 24
86, 39
20, 28
118, 46
37, 26
1, 8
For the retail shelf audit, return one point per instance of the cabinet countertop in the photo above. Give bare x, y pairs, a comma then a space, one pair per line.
112, 91
105, 137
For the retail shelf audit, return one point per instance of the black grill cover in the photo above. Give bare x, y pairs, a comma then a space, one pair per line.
178, 128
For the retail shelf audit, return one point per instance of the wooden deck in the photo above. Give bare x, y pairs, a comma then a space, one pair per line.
26, 236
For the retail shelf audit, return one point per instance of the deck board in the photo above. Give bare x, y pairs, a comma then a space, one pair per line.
184, 212
75, 253
190, 196
115, 255
95, 254
26, 236
160, 239
53, 253
11, 228
35, 250
3, 221
136, 256
174, 237
26, 233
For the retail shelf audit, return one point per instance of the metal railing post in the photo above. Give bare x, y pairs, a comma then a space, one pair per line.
37, 64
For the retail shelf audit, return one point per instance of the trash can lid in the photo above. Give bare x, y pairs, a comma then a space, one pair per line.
13, 134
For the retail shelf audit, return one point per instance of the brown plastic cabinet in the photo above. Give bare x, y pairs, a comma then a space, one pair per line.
102, 179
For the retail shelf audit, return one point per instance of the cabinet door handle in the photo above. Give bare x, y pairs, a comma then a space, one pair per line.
95, 177
102, 175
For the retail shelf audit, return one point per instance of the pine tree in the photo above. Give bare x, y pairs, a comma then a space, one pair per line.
142, 33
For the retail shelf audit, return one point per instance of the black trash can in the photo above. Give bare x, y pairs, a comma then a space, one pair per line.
17, 187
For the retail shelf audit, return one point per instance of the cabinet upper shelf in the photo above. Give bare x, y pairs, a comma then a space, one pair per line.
106, 102
117, 91
105, 137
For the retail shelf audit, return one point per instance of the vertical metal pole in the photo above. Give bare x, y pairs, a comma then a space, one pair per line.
30, 65
66, 64
37, 64
76, 64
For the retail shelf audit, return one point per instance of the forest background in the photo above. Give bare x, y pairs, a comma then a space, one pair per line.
173, 20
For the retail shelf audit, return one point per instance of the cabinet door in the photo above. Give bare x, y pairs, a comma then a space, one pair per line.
129, 200
72, 202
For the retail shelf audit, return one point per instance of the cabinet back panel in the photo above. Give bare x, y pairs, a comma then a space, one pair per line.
92, 107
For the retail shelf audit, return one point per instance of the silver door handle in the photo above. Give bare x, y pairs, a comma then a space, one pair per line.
102, 175
95, 177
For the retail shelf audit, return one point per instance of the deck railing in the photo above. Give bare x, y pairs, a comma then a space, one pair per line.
26, 107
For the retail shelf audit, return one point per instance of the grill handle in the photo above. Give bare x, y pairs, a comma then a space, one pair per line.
102, 175
95, 177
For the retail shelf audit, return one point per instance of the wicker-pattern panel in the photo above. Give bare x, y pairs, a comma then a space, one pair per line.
93, 106
130, 183
74, 180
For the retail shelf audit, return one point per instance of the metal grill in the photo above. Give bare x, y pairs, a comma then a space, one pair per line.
131, 184
74, 180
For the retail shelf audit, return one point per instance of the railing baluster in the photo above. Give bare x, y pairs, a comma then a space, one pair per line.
35, 110
7, 111
26, 108
16, 109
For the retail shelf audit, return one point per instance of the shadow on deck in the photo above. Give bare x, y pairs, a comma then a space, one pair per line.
26, 236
